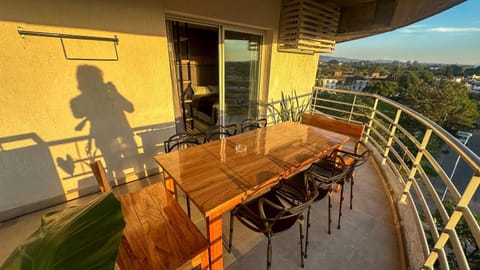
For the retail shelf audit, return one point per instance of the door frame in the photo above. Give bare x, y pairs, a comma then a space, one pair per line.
221, 28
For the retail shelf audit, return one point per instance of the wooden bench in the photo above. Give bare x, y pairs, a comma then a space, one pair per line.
158, 234
322, 121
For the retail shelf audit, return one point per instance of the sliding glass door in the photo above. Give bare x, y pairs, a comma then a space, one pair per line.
241, 76
216, 73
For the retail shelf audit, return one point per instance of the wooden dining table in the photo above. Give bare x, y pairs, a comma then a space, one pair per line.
216, 176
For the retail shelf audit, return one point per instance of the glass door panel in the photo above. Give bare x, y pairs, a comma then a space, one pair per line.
242, 58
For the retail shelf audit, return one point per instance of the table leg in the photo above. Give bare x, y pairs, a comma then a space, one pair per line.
214, 234
170, 184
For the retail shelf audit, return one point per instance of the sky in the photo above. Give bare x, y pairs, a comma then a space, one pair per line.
450, 37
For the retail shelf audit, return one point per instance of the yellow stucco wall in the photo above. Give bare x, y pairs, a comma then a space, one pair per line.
43, 155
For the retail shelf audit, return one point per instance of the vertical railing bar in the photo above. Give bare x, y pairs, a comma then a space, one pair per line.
434, 195
418, 223
460, 257
416, 163
370, 122
431, 224
391, 135
314, 100
352, 108
463, 200
453, 221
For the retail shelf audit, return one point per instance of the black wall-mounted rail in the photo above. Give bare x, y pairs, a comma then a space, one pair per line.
113, 39
58, 35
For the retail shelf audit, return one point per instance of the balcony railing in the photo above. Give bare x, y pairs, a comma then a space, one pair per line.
419, 152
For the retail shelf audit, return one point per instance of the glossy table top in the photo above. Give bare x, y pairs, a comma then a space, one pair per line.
214, 173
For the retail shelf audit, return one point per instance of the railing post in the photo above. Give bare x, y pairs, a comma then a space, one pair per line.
391, 136
370, 122
416, 163
353, 107
314, 99
466, 198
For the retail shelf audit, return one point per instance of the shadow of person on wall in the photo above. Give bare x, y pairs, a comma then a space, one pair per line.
101, 105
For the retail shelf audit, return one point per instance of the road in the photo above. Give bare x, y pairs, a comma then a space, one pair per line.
463, 172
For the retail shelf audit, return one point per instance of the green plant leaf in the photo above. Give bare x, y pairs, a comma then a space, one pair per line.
82, 237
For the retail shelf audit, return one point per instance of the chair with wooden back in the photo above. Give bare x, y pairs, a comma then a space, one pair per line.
252, 124
180, 141
352, 157
217, 132
182, 246
328, 123
99, 173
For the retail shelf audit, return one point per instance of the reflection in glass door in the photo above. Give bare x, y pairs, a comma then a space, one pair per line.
242, 58
216, 74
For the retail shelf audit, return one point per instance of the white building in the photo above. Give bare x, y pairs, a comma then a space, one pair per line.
329, 83
360, 84
474, 86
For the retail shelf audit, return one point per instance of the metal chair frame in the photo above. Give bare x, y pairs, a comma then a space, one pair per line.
267, 214
217, 132
252, 124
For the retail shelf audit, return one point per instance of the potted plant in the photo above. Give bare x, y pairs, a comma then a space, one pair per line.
290, 107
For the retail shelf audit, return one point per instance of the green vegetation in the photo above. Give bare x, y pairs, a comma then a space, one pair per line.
290, 107
428, 90
82, 237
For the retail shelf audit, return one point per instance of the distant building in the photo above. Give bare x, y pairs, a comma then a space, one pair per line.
474, 86
328, 83
360, 84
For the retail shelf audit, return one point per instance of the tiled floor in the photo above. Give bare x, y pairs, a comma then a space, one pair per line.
366, 240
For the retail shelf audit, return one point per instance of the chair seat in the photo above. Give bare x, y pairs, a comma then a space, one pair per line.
347, 159
250, 212
294, 187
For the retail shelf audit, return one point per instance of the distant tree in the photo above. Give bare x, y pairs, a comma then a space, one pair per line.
408, 81
447, 103
464, 113
472, 71
380, 69
384, 88
395, 73
424, 74
450, 71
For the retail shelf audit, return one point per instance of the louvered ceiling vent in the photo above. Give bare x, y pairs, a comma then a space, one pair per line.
308, 26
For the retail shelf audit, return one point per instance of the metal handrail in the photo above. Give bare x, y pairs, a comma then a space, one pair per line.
407, 171
468, 155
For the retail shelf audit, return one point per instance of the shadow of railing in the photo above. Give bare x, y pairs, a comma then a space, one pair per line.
36, 173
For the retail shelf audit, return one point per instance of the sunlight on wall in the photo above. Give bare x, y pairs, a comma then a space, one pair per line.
59, 114
77, 115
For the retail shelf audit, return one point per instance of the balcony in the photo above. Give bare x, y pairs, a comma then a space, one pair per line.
400, 218
367, 237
